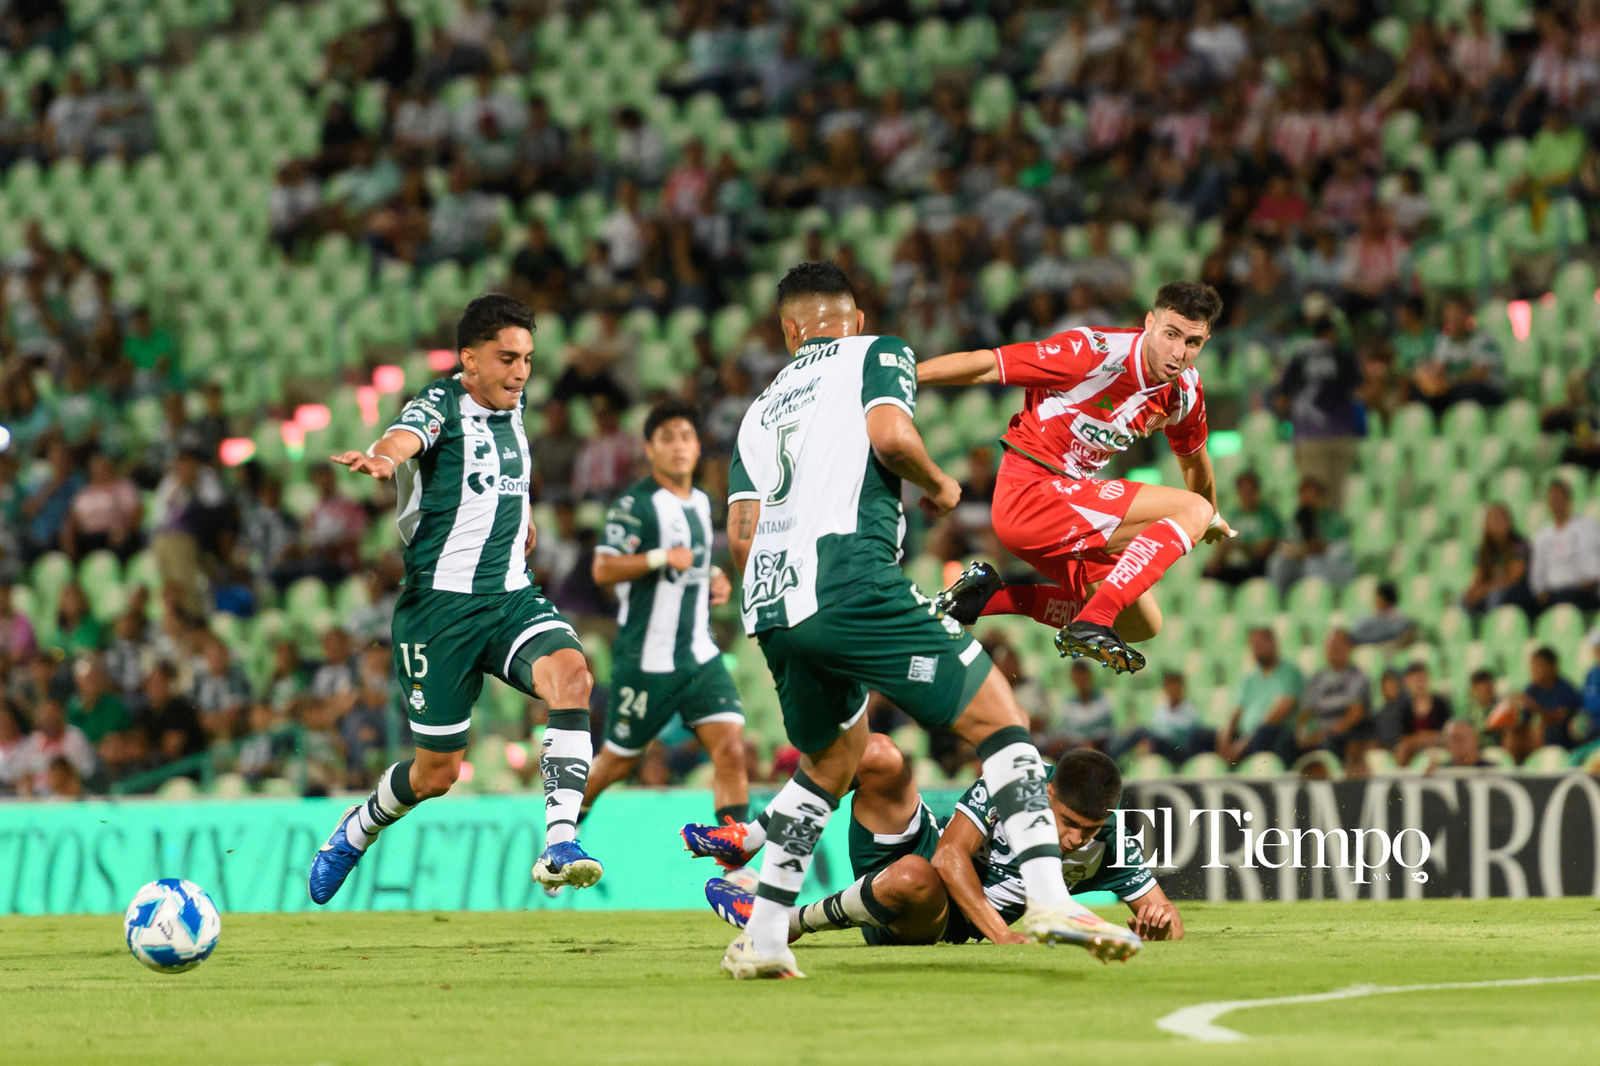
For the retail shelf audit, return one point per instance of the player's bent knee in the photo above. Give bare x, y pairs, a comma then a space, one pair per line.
1194, 514
437, 780
910, 882
881, 758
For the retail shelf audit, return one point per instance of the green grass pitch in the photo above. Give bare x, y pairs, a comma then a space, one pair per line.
442, 989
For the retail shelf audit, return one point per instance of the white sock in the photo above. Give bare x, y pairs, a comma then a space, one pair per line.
383, 807
798, 814
852, 906
1014, 775
564, 761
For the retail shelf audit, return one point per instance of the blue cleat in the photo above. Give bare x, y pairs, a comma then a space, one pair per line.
732, 903
566, 863
334, 861
724, 842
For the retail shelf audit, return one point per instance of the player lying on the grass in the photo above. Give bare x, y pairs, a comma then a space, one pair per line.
814, 526
459, 454
1103, 543
656, 550
920, 882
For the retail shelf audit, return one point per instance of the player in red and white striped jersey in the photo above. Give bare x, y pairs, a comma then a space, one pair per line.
1103, 543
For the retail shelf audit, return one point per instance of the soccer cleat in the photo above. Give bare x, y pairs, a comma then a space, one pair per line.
968, 594
566, 863
1078, 925
334, 861
732, 903
1100, 643
724, 842
741, 962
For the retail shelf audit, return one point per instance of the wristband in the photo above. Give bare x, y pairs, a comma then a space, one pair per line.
656, 558
378, 455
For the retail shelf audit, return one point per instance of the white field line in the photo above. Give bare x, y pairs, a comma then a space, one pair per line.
1197, 1022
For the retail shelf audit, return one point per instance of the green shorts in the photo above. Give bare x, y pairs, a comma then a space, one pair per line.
642, 704
871, 852
445, 642
887, 637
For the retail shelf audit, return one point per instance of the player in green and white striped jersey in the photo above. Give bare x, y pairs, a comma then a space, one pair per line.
655, 550
459, 454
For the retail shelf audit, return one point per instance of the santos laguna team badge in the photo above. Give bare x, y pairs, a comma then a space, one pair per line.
418, 701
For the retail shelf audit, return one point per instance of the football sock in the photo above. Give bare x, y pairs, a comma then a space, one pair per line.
1014, 776
846, 909
1139, 566
737, 812
798, 814
392, 798
755, 832
564, 761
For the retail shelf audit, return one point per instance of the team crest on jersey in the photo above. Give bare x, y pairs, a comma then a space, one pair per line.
1100, 343
1111, 490
770, 579
419, 702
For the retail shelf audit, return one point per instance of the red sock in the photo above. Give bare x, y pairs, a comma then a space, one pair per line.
1140, 565
1047, 604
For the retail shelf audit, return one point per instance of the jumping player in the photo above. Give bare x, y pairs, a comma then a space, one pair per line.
460, 456
1103, 543
814, 525
920, 881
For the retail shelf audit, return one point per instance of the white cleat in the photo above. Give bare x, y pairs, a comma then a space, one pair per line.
1078, 925
741, 962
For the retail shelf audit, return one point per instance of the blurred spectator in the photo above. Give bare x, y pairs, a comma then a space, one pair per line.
1176, 731
170, 722
1500, 570
556, 553
77, 629
221, 692
1483, 698
555, 454
608, 460
364, 731
106, 513
53, 738
372, 621
1317, 395
1031, 695
336, 683
130, 655
1564, 565
187, 504
333, 529
1259, 528
269, 535
1550, 702
1375, 260
1336, 704
1084, 719
14, 750
1387, 625
49, 501
294, 206
539, 271
1417, 718
1268, 699
16, 630
286, 685
1318, 542
465, 224
152, 352
97, 709
1463, 366
1461, 747
391, 42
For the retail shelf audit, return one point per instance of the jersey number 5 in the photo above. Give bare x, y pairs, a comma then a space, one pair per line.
785, 465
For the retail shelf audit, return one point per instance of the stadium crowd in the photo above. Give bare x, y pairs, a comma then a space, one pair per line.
1018, 170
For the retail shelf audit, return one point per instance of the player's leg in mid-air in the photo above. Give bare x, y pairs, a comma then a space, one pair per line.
979, 592
440, 658
897, 897
641, 706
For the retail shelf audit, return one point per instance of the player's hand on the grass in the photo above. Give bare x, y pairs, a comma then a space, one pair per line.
1011, 936
1219, 530
721, 587
1157, 921
680, 558
379, 466
942, 502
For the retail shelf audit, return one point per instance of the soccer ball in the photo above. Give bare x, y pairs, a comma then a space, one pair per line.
172, 925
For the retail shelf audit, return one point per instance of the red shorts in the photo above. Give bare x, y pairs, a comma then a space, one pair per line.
1059, 525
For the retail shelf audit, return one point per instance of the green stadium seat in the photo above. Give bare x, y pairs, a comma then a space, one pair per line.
1204, 765
1547, 760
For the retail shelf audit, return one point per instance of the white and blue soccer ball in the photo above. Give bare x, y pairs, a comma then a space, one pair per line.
172, 925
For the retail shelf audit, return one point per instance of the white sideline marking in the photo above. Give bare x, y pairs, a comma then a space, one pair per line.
1196, 1022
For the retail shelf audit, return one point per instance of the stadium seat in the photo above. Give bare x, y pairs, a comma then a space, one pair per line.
1205, 764
1547, 760
1261, 764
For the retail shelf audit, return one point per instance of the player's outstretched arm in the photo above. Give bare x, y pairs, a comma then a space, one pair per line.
958, 843
1200, 478
1155, 917
384, 457
981, 367
898, 446
610, 569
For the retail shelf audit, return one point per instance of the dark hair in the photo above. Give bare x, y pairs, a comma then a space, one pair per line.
1481, 675
1192, 299
1386, 591
486, 316
666, 411
1417, 666
1545, 652
814, 279
1088, 782
1249, 475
